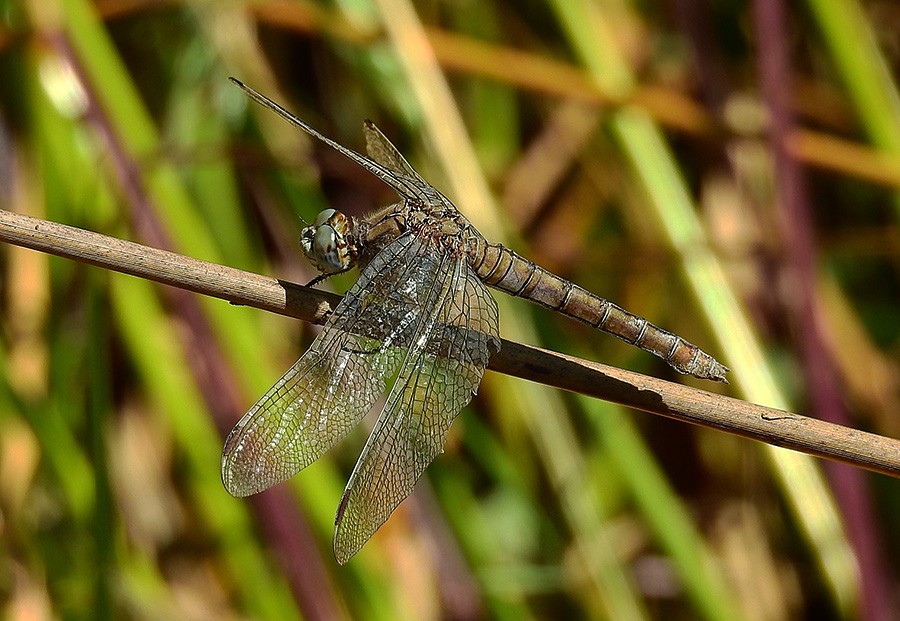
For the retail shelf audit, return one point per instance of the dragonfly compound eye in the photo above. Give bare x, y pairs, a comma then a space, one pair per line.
329, 250
322, 217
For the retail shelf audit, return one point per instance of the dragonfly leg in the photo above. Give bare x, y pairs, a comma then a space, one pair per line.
365, 352
320, 278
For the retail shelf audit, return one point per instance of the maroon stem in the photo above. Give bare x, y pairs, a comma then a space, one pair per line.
850, 486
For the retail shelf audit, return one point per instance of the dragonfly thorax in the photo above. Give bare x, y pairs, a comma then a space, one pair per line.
327, 242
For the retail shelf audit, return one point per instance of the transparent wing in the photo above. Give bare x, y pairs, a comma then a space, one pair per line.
439, 376
385, 153
405, 184
334, 384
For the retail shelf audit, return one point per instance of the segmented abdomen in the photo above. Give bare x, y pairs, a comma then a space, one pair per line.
500, 267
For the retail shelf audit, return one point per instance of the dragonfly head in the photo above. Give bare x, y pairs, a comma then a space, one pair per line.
327, 244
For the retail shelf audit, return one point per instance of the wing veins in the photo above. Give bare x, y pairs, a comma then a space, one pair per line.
395, 179
283, 419
394, 458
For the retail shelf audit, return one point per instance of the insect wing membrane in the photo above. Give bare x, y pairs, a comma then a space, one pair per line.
439, 376
385, 153
333, 385
402, 184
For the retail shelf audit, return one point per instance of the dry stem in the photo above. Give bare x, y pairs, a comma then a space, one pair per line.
786, 429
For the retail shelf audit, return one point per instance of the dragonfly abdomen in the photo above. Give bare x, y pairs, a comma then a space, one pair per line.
500, 267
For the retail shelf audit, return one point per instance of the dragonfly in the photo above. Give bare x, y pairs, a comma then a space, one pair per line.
420, 313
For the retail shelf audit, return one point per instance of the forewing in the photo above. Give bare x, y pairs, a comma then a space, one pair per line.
334, 384
408, 186
439, 376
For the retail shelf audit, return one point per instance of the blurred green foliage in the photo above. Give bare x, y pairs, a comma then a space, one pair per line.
569, 130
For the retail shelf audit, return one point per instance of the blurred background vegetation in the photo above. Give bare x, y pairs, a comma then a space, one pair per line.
657, 153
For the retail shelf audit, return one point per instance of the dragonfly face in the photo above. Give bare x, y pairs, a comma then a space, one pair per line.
327, 242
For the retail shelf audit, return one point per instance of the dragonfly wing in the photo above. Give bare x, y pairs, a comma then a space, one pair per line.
438, 377
406, 185
334, 384
385, 153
